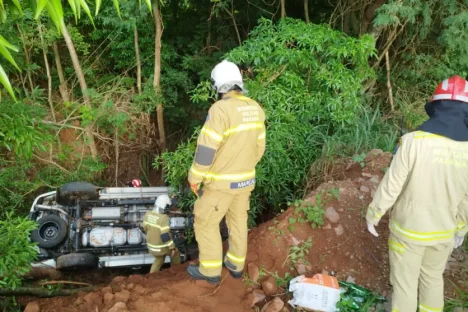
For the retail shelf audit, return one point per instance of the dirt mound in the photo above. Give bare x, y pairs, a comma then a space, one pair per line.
278, 249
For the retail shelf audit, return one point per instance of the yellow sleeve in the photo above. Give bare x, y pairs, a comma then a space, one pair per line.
462, 217
392, 183
209, 141
261, 143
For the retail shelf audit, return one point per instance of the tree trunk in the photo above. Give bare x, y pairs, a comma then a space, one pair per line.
26, 57
63, 83
306, 11
83, 86
49, 77
157, 74
369, 15
231, 14
137, 56
283, 8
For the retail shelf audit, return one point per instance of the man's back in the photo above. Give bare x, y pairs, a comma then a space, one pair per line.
231, 143
431, 172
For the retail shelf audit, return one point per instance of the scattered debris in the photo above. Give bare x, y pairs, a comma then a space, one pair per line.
351, 280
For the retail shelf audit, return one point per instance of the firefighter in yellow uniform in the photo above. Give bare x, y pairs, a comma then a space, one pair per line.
426, 188
158, 237
231, 143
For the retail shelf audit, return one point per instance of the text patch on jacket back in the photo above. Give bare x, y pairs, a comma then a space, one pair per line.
249, 113
242, 184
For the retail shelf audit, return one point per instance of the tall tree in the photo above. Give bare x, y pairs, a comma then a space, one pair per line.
157, 74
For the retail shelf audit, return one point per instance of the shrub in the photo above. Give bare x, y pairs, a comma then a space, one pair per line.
16, 250
308, 78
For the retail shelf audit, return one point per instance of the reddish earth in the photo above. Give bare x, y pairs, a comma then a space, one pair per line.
342, 247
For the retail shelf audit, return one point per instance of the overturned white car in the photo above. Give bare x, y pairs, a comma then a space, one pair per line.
83, 226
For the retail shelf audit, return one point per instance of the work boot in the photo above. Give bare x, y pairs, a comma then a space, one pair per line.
194, 271
231, 267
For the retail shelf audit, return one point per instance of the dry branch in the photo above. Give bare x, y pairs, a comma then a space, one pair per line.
65, 282
389, 84
43, 293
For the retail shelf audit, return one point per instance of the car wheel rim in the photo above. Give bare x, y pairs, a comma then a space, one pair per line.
49, 231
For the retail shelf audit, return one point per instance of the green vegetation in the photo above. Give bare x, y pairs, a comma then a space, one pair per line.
16, 251
105, 91
297, 254
308, 212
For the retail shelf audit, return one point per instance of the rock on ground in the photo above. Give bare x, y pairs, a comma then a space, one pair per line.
269, 286
122, 296
119, 307
332, 215
339, 230
257, 296
254, 272
32, 307
274, 306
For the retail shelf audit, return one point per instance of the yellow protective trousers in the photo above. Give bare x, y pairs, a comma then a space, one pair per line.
209, 210
159, 260
416, 268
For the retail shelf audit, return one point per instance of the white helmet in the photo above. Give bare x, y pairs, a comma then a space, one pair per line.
225, 76
161, 203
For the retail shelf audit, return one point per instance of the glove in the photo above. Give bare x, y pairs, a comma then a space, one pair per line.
195, 188
371, 229
458, 241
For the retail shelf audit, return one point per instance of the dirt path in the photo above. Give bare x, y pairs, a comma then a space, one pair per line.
341, 246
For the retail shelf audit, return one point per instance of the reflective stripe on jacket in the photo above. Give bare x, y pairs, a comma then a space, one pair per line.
231, 143
155, 224
426, 186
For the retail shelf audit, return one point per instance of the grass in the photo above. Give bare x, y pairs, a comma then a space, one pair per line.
461, 301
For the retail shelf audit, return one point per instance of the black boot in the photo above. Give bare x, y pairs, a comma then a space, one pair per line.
231, 267
194, 271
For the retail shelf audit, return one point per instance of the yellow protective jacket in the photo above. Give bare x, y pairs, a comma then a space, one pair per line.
158, 236
230, 145
427, 188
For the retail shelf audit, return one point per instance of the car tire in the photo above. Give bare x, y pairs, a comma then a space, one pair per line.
77, 261
68, 193
51, 231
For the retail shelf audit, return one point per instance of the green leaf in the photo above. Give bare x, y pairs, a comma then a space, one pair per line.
85, 7
1, 5
98, 6
18, 6
72, 4
117, 7
8, 45
54, 17
57, 5
6, 54
6, 83
41, 4
150, 7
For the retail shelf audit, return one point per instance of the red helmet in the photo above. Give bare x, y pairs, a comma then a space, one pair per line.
136, 183
455, 88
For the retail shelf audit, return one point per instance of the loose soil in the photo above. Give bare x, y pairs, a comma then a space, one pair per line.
342, 247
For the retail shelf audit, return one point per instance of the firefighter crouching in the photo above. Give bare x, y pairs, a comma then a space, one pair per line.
158, 236
231, 143
426, 188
